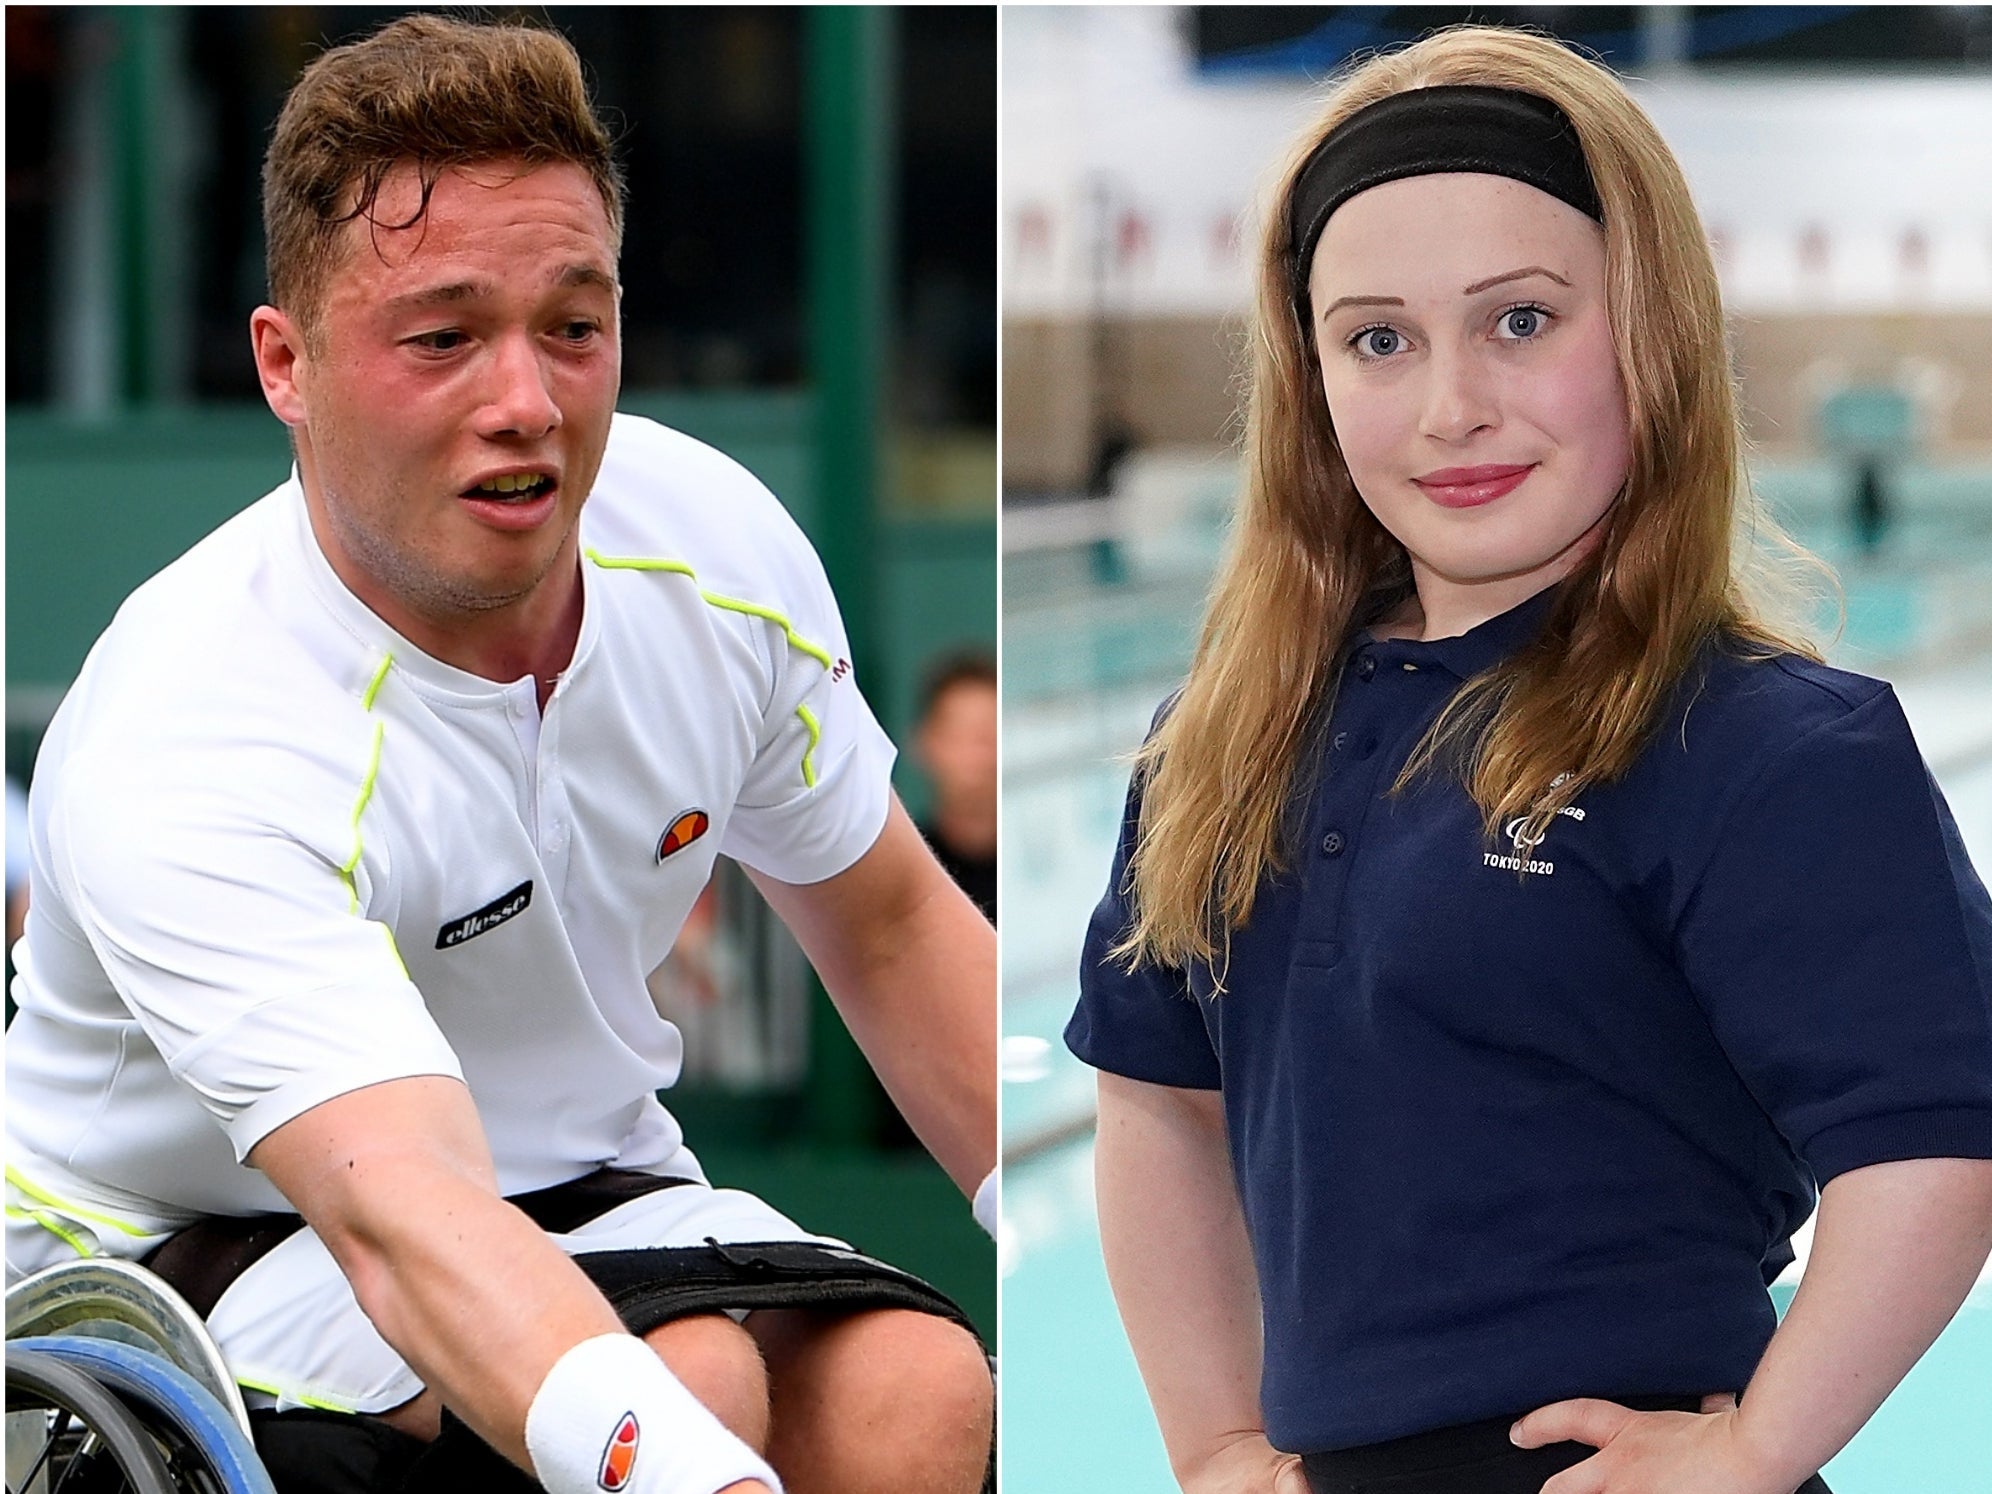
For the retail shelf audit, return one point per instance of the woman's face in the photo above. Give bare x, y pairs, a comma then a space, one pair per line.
1468, 365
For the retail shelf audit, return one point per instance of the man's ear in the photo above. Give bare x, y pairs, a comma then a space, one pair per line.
282, 363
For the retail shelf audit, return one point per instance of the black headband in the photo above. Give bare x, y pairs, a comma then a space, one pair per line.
1491, 131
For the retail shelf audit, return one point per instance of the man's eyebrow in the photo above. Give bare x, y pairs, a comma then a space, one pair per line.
573, 277
1472, 290
440, 295
576, 276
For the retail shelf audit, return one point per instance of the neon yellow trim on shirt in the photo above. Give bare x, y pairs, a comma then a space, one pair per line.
291, 1395
730, 604
750, 609
395, 950
346, 872
768, 614
41, 1195
47, 1222
379, 679
637, 563
815, 736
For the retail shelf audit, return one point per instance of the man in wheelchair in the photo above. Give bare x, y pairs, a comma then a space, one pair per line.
365, 820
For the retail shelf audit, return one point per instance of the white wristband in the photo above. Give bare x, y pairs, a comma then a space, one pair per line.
610, 1416
985, 1207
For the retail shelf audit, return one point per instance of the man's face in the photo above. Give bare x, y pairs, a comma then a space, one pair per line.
456, 398
957, 743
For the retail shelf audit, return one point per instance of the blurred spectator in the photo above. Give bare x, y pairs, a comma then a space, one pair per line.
1871, 506
954, 743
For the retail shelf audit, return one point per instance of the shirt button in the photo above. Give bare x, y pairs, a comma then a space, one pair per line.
1365, 667
1332, 843
1410, 668
1339, 741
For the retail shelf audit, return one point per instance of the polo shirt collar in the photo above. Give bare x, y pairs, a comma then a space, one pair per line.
359, 623
1475, 650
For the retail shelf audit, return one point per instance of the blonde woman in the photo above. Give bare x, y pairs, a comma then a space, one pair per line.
1514, 930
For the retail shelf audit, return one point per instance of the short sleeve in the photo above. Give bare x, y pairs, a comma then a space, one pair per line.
815, 796
1841, 945
215, 899
1143, 1024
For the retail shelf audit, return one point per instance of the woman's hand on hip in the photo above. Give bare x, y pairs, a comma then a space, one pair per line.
1245, 1464
1654, 1452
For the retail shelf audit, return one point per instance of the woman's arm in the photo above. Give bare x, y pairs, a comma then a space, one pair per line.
1897, 1247
1174, 1240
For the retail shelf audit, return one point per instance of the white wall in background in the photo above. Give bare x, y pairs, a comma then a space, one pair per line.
1130, 184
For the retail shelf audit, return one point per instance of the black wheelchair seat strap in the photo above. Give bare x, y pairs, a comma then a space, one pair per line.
205, 1259
651, 1287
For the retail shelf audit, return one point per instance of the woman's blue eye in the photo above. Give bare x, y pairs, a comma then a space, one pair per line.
1382, 342
1523, 321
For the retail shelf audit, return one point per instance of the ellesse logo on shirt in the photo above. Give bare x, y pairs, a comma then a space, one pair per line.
485, 919
682, 831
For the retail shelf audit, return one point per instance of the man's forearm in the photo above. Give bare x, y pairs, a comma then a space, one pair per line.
492, 1316
1896, 1249
443, 1282
911, 966
397, 1181
930, 1033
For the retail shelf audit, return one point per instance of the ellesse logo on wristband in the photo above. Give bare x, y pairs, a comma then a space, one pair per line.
619, 1457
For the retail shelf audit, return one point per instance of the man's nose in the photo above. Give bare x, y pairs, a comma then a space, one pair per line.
519, 401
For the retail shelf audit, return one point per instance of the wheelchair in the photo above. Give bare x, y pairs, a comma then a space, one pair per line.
114, 1386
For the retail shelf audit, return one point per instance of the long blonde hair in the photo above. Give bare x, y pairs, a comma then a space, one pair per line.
1687, 553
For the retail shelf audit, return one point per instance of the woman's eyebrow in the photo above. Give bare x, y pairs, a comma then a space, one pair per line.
1480, 285
1472, 290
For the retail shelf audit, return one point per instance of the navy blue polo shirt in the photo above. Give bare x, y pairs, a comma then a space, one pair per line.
1514, 1123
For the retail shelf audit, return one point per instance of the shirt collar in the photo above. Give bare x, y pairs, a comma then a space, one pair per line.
358, 622
1474, 651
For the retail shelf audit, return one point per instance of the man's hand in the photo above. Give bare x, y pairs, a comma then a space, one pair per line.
1653, 1452
1245, 1464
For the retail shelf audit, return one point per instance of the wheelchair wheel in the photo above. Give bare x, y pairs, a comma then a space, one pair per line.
205, 1451
67, 1434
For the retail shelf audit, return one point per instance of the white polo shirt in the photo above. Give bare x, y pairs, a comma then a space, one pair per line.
281, 854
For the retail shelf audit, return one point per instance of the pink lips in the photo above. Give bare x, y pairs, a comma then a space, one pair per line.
1469, 487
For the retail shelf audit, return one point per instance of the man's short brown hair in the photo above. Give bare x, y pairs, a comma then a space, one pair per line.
432, 91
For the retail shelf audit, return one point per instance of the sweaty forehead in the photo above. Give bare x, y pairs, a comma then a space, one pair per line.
1435, 235
504, 213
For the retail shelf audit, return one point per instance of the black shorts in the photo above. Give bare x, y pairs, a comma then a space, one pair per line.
1474, 1458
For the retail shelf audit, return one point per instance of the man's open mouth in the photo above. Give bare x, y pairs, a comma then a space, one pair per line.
522, 488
